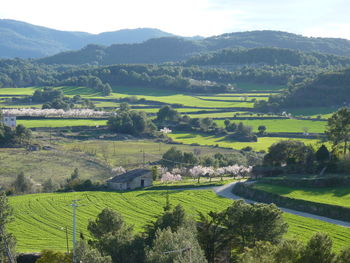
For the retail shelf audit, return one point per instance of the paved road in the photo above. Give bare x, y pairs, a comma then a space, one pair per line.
226, 191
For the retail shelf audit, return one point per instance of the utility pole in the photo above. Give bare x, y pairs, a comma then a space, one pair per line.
74, 206
7, 249
143, 158
67, 240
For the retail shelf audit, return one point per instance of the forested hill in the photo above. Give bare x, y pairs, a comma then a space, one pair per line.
269, 38
328, 89
157, 50
20, 39
266, 56
172, 49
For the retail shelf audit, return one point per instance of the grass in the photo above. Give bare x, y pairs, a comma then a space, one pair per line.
17, 91
241, 98
244, 86
283, 125
324, 112
129, 152
61, 123
40, 218
92, 157
327, 195
191, 183
56, 164
263, 143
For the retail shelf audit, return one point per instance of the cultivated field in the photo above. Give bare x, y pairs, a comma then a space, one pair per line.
40, 219
263, 143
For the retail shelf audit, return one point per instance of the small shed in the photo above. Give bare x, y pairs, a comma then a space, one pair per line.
131, 180
9, 121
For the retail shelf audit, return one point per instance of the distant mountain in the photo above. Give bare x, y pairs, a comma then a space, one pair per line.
20, 39
172, 49
269, 38
156, 50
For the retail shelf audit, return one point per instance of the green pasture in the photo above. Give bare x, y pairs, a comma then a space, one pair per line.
57, 164
129, 153
17, 91
40, 219
54, 123
327, 195
263, 143
227, 114
240, 98
314, 112
283, 125
244, 86
20, 105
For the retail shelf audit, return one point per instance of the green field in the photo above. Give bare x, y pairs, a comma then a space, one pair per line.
328, 195
283, 125
263, 143
324, 112
243, 86
241, 98
56, 164
129, 152
61, 123
40, 218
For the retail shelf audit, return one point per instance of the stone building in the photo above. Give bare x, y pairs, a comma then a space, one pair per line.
133, 179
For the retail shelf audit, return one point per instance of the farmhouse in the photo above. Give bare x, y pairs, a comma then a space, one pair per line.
131, 180
9, 121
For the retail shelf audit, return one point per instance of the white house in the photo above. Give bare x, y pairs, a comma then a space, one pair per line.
130, 180
9, 121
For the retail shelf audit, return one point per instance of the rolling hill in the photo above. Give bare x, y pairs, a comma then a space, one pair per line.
20, 39
172, 49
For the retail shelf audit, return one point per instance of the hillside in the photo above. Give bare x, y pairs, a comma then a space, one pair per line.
151, 51
266, 56
20, 39
174, 49
328, 89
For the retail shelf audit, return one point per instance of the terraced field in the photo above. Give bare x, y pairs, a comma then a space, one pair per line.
263, 143
332, 195
40, 218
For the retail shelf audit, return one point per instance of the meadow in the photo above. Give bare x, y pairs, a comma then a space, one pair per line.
327, 195
283, 125
93, 158
56, 164
130, 152
263, 143
54, 123
40, 219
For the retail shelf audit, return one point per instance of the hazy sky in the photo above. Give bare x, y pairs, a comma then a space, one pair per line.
326, 18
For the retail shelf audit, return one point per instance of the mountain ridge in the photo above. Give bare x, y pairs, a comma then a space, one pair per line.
24, 40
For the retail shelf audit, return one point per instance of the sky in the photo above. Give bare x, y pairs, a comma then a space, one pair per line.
318, 18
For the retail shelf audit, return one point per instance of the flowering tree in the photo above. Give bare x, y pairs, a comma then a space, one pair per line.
118, 170
74, 113
198, 171
169, 177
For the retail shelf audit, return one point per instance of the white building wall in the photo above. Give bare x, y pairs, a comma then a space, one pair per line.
9, 121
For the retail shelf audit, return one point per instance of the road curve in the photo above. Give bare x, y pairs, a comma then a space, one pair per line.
226, 191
